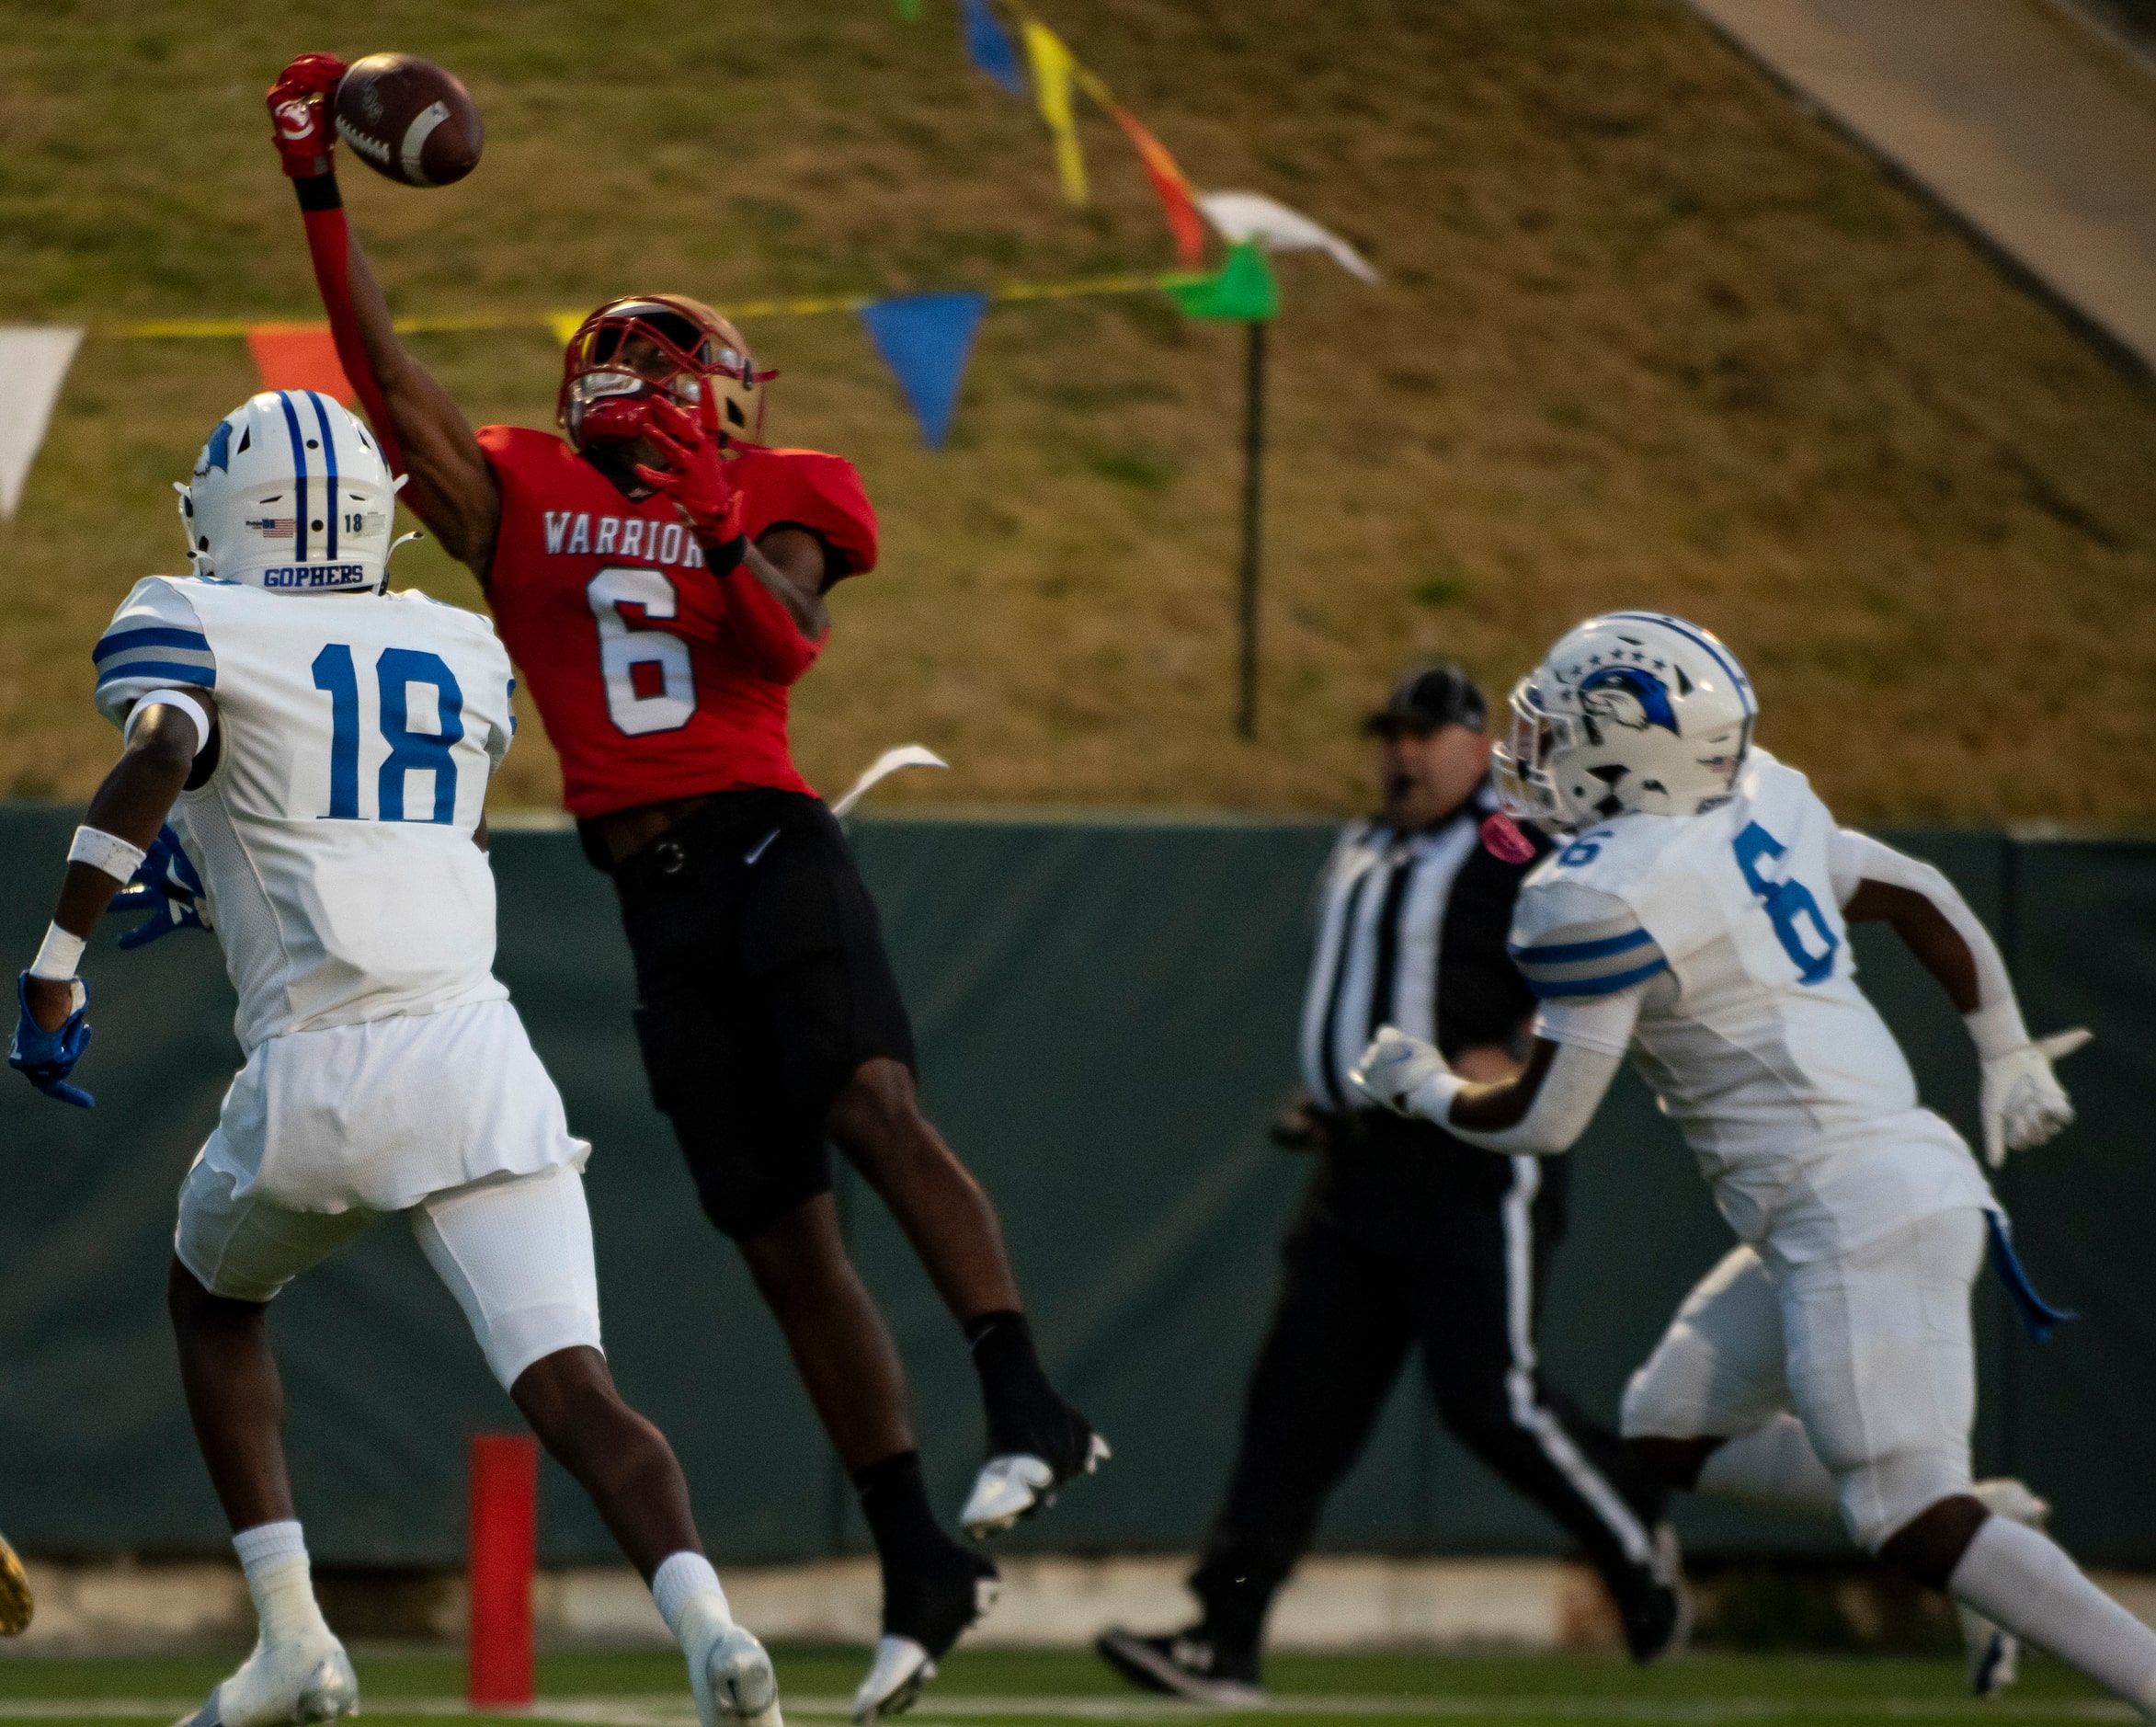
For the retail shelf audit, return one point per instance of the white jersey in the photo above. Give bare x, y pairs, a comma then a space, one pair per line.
335, 837
1725, 930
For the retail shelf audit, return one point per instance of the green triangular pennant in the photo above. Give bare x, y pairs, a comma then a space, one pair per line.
1245, 291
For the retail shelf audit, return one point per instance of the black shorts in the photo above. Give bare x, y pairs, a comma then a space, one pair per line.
761, 987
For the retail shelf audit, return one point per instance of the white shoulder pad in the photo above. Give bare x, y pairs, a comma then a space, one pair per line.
155, 642
1572, 940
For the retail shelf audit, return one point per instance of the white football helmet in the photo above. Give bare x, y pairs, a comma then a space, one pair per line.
1632, 710
290, 494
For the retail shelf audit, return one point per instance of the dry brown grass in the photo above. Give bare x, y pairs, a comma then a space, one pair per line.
1648, 335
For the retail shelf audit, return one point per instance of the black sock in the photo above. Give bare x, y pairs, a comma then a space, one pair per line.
894, 1501
1016, 1390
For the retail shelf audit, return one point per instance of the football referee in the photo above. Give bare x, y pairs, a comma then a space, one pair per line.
1406, 1236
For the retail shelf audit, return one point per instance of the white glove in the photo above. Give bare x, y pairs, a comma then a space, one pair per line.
1395, 1067
2021, 1100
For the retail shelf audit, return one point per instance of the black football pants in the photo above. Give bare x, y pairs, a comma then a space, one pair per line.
1449, 1252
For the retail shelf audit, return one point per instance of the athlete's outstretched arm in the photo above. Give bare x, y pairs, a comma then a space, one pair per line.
131, 806
423, 432
2022, 1103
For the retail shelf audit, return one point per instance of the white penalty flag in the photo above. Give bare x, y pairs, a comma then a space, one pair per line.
34, 358
1253, 216
883, 767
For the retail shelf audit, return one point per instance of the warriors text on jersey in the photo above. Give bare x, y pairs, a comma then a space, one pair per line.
1724, 931
656, 679
334, 838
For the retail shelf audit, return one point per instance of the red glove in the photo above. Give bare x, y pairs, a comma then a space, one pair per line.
300, 120
695, 477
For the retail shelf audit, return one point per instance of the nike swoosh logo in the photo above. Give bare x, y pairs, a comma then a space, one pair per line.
760, 847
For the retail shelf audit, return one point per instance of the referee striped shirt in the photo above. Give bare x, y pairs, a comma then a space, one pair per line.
1412, 931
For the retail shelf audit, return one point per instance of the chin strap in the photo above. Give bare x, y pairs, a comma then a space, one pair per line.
382, 587
329, 245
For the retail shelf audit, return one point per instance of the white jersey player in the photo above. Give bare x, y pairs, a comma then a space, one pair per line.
324, 747
1696, 920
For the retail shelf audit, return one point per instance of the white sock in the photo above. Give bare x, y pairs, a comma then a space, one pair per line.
1775, 1463
679, 1576
2022, 1579
274, 1556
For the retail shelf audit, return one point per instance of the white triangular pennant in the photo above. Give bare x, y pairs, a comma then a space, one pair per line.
34, 358
1253, 216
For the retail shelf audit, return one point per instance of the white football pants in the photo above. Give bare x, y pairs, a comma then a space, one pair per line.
1873, 1350
514, 1250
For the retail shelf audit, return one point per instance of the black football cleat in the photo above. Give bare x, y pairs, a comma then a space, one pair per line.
1183, 1664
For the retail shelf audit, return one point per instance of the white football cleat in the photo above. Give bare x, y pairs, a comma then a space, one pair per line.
1994, 1653
282, 1684
729, 1672
895, 1679
1016, 1485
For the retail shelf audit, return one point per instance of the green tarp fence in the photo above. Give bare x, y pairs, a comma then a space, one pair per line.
1106, 1014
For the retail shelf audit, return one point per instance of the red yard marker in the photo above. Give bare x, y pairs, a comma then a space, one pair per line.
505, 1531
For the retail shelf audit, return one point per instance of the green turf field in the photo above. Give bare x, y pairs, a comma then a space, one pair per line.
647, 1690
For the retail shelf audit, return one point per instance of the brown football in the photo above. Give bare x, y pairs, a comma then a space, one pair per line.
409, 119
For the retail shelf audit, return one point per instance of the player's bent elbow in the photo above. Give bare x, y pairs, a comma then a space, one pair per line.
167, 741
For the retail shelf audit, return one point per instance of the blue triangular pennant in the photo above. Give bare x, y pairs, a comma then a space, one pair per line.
926, 339
990, 46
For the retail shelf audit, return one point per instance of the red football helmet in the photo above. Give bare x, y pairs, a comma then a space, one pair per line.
645, 342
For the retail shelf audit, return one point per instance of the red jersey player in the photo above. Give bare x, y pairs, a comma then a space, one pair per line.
659, 578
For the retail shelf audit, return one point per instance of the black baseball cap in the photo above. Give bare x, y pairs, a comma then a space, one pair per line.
1428, 697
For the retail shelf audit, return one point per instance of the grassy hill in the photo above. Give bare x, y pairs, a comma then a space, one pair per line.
1646, 336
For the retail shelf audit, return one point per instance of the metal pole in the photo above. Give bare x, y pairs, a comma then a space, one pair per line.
1253, 523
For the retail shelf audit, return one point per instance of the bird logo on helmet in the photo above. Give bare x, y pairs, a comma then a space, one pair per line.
1628, 696
636, 347
1629, 710
290, 494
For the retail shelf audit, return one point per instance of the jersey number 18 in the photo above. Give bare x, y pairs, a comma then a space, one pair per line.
395, 671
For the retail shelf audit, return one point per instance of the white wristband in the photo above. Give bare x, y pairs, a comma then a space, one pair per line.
1433, 1100
58, 956
171, 698
106, 852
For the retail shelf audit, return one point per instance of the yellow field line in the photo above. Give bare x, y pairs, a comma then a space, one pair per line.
180, 329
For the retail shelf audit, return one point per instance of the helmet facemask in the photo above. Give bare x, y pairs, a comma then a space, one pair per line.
632, 348
1519, 765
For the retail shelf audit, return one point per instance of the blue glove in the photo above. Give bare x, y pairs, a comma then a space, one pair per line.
166, 886
46, 1058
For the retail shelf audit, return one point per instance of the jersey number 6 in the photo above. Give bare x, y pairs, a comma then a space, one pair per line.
1786, 903
663, 698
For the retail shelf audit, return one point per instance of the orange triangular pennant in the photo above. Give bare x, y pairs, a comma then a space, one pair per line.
299, 356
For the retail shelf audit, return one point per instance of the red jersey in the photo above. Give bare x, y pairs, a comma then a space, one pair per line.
656, 679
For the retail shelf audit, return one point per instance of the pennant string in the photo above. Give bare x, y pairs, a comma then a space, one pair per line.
563, 324
1170, 184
